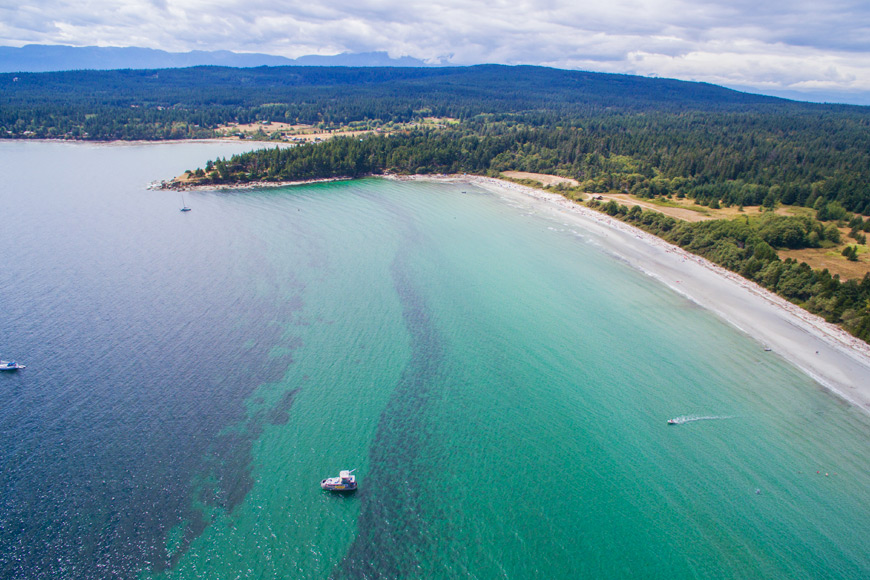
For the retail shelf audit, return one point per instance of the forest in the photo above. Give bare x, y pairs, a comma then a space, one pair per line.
654, 138
736, 160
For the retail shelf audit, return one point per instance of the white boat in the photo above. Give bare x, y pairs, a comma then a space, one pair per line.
184, 205
345, 481
7, 365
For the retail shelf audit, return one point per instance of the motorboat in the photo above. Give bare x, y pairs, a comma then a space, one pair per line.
7, 365
345, 481
672, 422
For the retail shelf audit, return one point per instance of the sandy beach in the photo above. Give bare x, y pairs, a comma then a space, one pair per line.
837, 361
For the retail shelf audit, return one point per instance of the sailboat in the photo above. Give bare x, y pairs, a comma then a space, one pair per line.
184, 205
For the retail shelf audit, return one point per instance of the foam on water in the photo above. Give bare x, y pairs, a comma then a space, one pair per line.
692, 418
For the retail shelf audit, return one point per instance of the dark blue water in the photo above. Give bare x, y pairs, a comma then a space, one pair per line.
143, 329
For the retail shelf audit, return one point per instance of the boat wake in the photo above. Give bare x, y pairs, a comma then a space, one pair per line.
690, 418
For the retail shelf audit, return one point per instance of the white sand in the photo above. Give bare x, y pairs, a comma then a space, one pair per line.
832, 357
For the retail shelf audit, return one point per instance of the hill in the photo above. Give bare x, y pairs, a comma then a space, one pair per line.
461, 90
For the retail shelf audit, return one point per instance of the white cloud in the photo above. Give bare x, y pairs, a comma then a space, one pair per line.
785, 44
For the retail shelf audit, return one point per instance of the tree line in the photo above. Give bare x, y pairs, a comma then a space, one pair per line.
746, 247
735, 161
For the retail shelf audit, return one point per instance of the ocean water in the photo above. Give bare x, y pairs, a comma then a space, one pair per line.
500, 383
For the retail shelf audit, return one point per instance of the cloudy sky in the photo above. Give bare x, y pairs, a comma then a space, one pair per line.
817, 49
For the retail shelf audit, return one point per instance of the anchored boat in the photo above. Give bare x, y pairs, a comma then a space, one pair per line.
6, 365
345, 481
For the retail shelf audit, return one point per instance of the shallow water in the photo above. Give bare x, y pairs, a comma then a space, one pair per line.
500, 383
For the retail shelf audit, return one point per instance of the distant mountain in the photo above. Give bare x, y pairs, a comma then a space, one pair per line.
358, 59
47, 58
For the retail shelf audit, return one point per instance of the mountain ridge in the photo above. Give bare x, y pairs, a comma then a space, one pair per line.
56, 58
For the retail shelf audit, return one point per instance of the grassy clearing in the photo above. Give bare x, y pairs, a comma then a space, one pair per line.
833, 260
818, 258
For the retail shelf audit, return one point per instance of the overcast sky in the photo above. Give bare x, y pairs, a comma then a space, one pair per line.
818, 48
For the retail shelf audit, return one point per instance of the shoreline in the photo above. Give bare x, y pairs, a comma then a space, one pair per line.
833, 358
121, 142
837, 361
172, 185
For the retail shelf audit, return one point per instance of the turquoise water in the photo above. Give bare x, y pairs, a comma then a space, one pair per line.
500, 384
